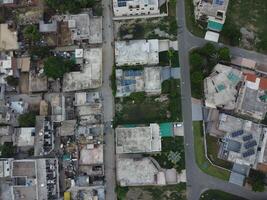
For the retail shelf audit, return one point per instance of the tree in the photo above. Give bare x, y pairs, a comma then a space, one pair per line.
40, 51
55, 67
224, 54
231, 33
27, 120
7, 150
208, 50
12, 81
256, 179
31, 33
196, 61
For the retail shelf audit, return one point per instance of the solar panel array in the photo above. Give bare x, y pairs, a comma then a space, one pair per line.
237, 133
127, 82
250, 144
248, 153
122, 3
219, 2
247, 137
132, 73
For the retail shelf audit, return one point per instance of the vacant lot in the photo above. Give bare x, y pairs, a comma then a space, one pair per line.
174, 192
251, 15
219, 195
201, 160
140, 108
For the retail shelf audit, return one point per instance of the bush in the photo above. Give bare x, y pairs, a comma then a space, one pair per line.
7, 150
231, 33
256, 179
27, 120
55, 67
31, 33
224, 54
121, 192
12, 81
196, 61
113, 81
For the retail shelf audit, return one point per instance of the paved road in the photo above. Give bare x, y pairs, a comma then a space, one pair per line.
108, 101
197, 181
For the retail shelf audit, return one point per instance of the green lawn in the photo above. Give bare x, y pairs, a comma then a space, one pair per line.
219, 195
213, 149
201, 160
191, 24
171, 144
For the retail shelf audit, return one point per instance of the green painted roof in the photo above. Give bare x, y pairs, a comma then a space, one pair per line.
212, 25
66, 157
166, 129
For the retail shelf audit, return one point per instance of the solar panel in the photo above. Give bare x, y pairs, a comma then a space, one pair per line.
250, 144
237, 133
219, 2
247, 137
250, 152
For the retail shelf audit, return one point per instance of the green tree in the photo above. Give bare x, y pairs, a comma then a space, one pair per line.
208, 50
12, 81
256, 179
55, 67
27, 120
7, 150
40, 51
224, 54
31, 33
231, 33
196, 61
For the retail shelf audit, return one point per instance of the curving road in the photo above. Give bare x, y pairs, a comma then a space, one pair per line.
197, 181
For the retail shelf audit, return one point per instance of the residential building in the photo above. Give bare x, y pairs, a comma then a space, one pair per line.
135, 7
138, 139
211, 11
137, 52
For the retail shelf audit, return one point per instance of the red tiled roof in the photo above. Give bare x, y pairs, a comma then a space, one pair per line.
263, 83
251, 77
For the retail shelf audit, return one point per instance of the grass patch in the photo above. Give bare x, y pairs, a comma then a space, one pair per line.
145, 29
201, 160
219, 195
171, 192
171, 144
121, 192
169, 58
213, 149
139, 108
252, 15
191, 24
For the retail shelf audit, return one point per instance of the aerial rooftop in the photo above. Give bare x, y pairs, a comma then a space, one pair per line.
138, 139
220, 87
137, 52
91, 75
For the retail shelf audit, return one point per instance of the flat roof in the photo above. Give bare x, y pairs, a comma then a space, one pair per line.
24, 168
91, 75
91, 155
137, 52
212, 36
25, 136
152, 80
138, 139
8, 38
133, 172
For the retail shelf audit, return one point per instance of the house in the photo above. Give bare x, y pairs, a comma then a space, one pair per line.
122, 8
8, 38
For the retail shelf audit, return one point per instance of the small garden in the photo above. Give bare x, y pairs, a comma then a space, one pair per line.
169, 58
172, 154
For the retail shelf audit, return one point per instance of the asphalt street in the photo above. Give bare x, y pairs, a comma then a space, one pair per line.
197, 181
108, 101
